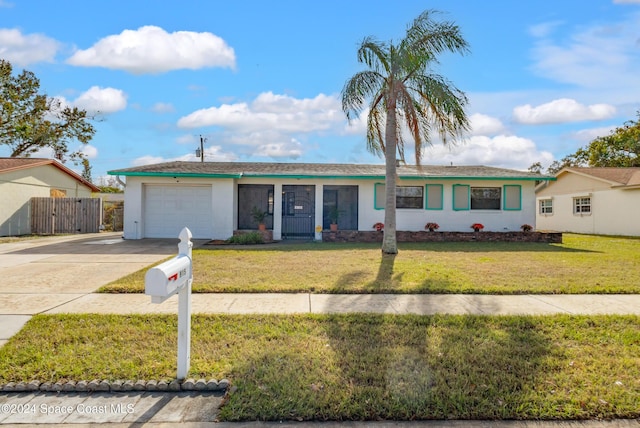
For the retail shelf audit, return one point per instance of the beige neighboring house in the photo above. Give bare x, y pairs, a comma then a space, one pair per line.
24, 178
602, 201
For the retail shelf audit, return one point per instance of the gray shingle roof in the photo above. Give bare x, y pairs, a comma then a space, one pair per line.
259, 169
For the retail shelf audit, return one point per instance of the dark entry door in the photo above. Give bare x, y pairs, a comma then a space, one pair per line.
298, 212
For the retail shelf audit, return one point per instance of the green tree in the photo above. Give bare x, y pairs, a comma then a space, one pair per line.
30, 121
400, 88
621, 148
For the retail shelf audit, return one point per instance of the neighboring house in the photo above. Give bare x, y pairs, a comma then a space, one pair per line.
603, 201
23, 178
214, 199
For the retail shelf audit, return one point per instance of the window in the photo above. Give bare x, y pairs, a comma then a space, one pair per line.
379, 196
460, 197
406, 196
582, 205
485, 198
512, 197
546, 206
409, 197
434, 196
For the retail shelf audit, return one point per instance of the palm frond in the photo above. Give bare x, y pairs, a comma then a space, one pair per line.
357, 90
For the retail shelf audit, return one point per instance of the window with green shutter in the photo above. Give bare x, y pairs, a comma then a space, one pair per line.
434, 197
512, 198
460, 197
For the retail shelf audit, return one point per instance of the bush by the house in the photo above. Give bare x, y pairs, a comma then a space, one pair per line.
247, 239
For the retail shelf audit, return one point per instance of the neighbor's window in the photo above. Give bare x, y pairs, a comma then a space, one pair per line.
582, 205
409, 197
485, 198
546, 206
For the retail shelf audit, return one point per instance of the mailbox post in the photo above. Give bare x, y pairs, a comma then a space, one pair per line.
171, 277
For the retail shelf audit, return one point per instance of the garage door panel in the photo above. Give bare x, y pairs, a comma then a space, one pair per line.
170, 208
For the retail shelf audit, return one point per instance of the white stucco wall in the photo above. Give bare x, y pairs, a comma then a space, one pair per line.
18, 187
224, 192
614, 211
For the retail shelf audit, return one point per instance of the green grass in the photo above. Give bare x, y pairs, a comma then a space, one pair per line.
582, 264
358, 367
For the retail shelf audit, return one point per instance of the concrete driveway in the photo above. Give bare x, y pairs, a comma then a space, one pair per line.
41, 274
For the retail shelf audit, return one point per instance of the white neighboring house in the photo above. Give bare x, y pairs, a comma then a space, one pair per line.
602, 201
214, 199
24, 178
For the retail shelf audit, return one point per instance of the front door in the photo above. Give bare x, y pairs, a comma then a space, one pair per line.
298, 212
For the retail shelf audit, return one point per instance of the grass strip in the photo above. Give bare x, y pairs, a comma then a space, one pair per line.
583, 264
358, 367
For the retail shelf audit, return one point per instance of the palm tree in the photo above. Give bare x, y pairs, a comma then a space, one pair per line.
403, 90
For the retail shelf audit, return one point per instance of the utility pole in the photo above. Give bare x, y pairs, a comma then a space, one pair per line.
200, 151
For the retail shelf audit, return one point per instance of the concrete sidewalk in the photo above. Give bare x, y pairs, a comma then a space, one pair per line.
300, 303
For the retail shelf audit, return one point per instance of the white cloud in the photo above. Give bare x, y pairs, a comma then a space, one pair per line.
626, 1
561, 111
102, 100
147, 160
22, 50
4, 3
602, 55
588, 135
269, 111
211, 154
151, 49
163, 108
291, 149
481, 124
500, 151
89, 151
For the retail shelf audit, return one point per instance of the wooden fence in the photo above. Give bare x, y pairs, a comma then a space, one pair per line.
65, 215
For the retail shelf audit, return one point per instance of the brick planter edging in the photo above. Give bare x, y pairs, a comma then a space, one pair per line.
425, 236
117, 386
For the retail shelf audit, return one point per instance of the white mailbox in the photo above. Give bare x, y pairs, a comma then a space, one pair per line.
166, 279
171, 277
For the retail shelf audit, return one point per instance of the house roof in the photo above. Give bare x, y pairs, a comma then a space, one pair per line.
321, 170
16, 164
617, 177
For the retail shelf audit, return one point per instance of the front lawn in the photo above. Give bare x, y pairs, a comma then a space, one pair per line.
357, 367
582, 264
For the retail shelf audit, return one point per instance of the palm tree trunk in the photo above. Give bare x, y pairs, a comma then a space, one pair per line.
389, 242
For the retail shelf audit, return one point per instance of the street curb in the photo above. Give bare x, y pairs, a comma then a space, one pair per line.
117, 386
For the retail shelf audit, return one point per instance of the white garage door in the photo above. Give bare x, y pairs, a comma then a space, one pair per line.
167, 209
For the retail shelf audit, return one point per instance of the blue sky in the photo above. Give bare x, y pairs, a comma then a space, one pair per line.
261, 81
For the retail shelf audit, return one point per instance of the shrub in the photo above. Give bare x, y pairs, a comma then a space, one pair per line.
526, 228
247, 239
378, 226
432, 226
477, 226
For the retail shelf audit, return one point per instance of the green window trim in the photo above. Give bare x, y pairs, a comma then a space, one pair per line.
438, 190
508, 204
378, 189
461, 201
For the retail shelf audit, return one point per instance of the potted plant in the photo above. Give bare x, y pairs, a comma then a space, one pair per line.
378, 226
259, 216
431, 226
477, 227
526, 228
334, 214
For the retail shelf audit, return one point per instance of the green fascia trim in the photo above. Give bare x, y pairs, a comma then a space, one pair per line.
173, 174
479, 178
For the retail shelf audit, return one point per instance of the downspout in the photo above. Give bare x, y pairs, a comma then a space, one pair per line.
122, 183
